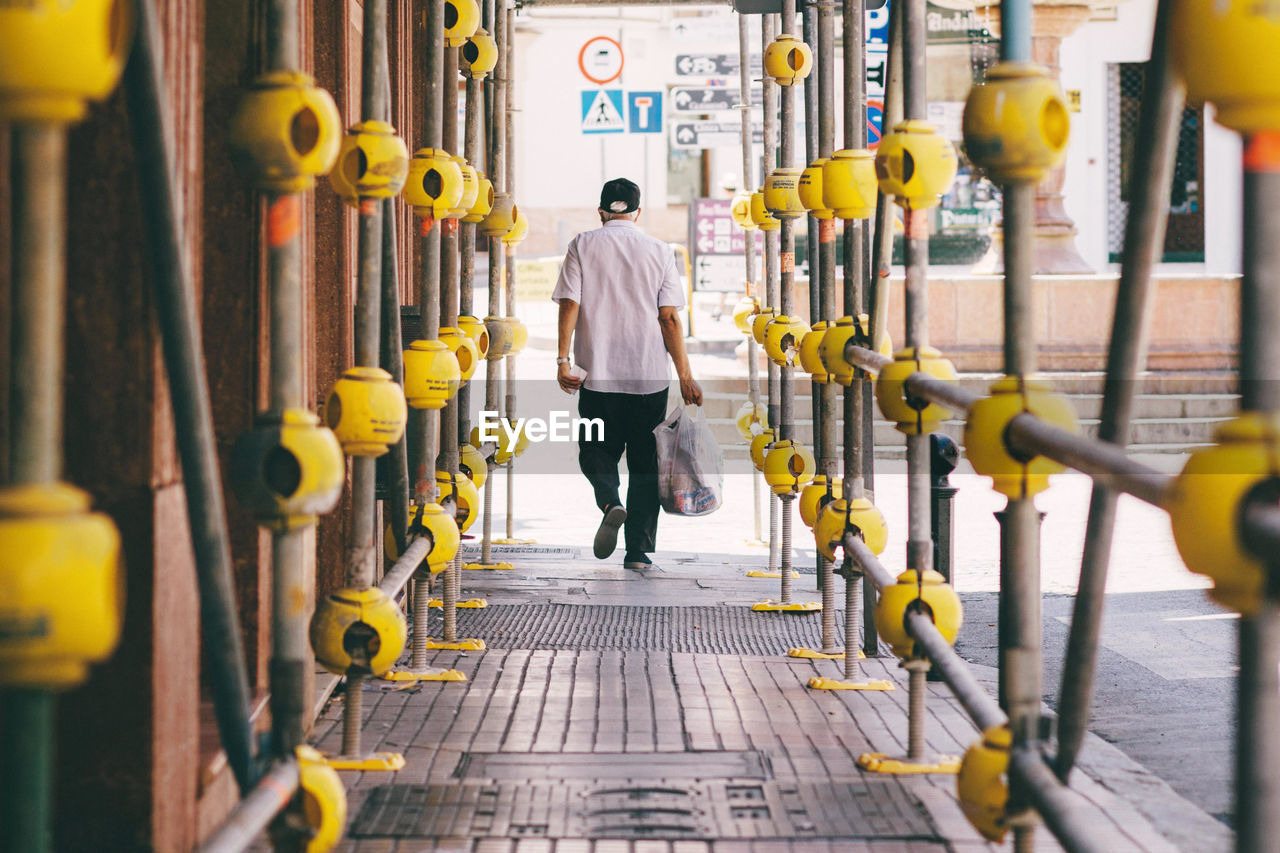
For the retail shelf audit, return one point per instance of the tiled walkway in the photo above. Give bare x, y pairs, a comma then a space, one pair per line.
653, 750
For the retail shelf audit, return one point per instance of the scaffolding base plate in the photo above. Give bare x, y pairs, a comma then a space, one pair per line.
484, 567
386, 762
815, 654
755, 543
470, 644
793, 607
515, 541
820, 683
468, 603
877, 762
757, 573
424, 675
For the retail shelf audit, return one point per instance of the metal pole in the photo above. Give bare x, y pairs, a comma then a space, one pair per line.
177, 319
253, 814
1019, 625
396, 467
748, 182
428, 298
859, 600
39, 184
1158, 121
498, 175
825, 425
884, 221
1257, 789
768, 30
361, 551
449, 295
509, 363
786, 306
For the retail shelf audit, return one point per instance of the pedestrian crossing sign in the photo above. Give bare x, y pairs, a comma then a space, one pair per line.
602, 111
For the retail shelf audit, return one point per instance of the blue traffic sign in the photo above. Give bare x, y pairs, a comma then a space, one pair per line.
875, 123
602, 111
644, 112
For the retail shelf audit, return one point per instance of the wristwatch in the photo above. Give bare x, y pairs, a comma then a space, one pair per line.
564, 359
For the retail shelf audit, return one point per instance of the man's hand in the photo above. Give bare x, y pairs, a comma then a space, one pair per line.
570, 383
690, 391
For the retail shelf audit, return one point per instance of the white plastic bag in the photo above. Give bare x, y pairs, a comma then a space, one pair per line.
690, 464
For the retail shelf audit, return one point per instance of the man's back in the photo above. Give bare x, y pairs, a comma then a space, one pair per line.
620, 276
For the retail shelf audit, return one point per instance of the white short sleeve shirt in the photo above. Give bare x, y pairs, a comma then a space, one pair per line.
620, 276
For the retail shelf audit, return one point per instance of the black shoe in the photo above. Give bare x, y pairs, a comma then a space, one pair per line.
607, 533
637, 561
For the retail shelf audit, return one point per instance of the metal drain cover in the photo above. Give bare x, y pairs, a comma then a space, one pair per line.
636, 809
501, 766
592, 627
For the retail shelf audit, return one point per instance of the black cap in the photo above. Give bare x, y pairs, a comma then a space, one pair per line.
620, 196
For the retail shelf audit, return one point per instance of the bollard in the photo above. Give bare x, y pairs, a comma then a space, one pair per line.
944, 454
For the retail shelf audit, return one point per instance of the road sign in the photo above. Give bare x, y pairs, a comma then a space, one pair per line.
712, 134
644, 112
877, 25
875, 123
709, 30
712, 64
877, 69
709, 99
602, 111
600, 60
717, 246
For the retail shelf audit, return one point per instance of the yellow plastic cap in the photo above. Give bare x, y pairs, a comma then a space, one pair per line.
743, 312
814, 497
1207, 505
57, 56
463, 349
740, 210
1016, 124
360, 631
501, 217
434, 186
983, 783
431, 374
470, 188
751, 418
760, 323
1228, 53
61, 588
810, 190
501, 337
788, 466
787, 60
324, 800
484, 199
760, 446
760, 214
372, 163
930, 593
849, 187
472, 463
811, 353
912, 415
478, 56
467, 502
285, 132
461, 21
366, 411
782, 336
474, 328
915, 164
288, 469
859, 516
782, 193
985, 434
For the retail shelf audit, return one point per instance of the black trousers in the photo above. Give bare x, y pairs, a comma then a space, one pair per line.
629, 420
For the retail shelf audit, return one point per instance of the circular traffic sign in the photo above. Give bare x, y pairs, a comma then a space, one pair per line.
875, 121
600, 60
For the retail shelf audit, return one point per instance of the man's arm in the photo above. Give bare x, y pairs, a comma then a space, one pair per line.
673, 338
568, 322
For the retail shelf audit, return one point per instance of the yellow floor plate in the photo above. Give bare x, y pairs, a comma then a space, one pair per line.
387, 762
793, 607
756, 573
485, 567
876, 762
814, 654
515, 541
755, 543
468, 645
818, 683
425, 675
470, 602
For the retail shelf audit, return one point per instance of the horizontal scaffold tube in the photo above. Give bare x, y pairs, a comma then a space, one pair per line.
982, 709
1030, 436
251, 816
1070, 816
398, 575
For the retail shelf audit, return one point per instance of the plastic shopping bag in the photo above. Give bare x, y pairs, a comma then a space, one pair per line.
690, 464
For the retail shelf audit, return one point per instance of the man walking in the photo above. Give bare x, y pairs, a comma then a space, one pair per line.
619, 301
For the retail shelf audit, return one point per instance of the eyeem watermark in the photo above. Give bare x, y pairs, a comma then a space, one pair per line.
559, 427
